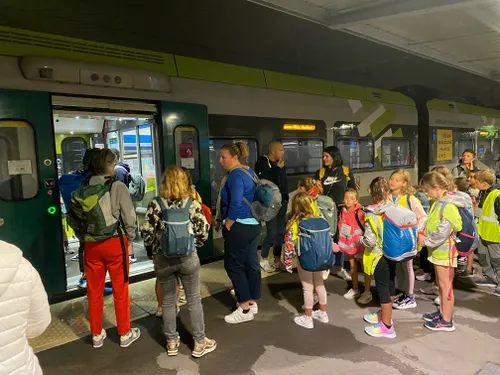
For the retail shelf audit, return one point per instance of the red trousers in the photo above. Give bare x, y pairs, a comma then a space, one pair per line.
99, 258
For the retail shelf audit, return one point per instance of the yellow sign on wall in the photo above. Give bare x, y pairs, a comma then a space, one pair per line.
444, 145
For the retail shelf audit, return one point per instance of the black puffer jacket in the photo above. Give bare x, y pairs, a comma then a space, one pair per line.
335, 183
269, 170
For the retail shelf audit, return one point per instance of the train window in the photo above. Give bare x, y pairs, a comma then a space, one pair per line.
187, 152
216, 170
396, 152
357, 152
72, 151
148, 170
302, 155
18, 162
130, 152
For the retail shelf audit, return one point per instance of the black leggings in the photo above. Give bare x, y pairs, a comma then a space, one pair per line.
385, 274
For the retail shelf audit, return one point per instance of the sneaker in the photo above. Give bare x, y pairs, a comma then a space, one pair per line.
430, 291
75, 258
132, 259
374, 318
82, 283
107, 291
440, 325
466, 274
380, 330
430, 317
398, 298
486, 281
322, 316
200, 349
496, 292
254, 308
351, 294
304, 321
405, 304
437, 301
173, 346
325, 274
237, 316
424, 277
159, 312
315, 301
365, 298
232, 293
127, 339
98, 340
343, 274
266, 266
68, 250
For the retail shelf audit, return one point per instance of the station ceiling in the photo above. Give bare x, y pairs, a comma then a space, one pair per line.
460, 33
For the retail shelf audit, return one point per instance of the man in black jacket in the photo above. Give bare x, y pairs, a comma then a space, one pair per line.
272, 168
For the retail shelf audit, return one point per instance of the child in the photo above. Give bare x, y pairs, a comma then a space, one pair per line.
422, 197
439, 238
489, 230
400, 185
351, 224
302, 208
379, 188
384, 269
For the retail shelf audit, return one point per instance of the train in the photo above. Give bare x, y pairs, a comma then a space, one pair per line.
161, 109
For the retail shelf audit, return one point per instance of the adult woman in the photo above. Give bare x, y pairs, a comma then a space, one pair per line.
108, 252
175, 195
467, 164
240, 231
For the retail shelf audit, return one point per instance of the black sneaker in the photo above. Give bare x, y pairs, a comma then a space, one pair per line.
466, 274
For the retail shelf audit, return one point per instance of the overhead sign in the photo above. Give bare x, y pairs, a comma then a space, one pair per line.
444, 145
299, 127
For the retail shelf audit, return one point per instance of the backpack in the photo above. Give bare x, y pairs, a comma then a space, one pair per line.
467, 239
399, 233
267, 199
68, 183
314, 249
87, 217
178, 237
345, 169
328, 210
137, 187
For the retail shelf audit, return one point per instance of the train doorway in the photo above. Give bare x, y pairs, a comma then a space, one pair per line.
129, 127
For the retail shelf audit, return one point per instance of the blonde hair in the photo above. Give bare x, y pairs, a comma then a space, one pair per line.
308, 183
238, 149
486, 175
175, 184
434, 180
352, 191
406, 178
445, 172
301, 208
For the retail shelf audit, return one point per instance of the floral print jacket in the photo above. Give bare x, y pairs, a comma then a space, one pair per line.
152, 229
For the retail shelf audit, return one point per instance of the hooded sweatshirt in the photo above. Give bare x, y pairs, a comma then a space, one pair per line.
24, 312
369, 238
122, 173
269, 170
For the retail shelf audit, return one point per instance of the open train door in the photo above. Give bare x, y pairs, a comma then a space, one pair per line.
29, 202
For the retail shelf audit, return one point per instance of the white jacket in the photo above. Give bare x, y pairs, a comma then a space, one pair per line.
24, 312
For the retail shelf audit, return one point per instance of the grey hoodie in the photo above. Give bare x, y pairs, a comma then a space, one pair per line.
445, 228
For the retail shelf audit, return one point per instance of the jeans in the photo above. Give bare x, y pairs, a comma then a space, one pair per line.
241, 260
489, 260
339, 259
275, 234
188, 270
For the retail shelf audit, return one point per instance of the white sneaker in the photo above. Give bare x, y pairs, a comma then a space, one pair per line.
343, 274
322, 316
325, 274
351, 294
132, 259
437, 301
266, 266
237, 316
127, 339
98, 340
304, 321
254, 309
315, 301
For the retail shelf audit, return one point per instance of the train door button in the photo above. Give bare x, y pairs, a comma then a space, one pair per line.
49, 183
2, 222
47, 162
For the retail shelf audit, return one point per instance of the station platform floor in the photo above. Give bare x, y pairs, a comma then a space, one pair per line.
273, 344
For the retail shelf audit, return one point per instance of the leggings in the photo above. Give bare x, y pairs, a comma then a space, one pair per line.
406, 277
311, 281
385, 274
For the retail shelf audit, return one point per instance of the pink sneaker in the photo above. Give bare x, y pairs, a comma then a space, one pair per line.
380, 330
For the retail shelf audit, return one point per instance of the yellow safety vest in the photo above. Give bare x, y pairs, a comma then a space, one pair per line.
372, 256
488, 225
451, 213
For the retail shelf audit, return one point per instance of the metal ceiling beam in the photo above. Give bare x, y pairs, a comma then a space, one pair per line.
394, 9
297, 8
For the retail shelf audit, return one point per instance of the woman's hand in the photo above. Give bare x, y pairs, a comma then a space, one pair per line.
229, 223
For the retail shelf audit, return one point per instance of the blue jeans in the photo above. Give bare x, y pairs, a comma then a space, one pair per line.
339, 259
241, 260
275, 233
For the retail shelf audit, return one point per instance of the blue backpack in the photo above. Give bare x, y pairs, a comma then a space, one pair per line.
68, 183
178, 236
314, 249
468, 237
399, 233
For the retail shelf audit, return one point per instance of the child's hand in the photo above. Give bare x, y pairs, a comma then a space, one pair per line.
421, 239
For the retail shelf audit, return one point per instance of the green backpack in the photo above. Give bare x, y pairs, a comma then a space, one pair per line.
90, 214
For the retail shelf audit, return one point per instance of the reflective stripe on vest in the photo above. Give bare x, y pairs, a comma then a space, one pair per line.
376, 225
488, 225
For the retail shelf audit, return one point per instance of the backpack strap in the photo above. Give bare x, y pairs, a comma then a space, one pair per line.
408, 201
322, 172
358, 220
254, 178
441, 211
160, 203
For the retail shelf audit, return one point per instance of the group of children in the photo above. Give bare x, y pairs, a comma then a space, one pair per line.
360, 233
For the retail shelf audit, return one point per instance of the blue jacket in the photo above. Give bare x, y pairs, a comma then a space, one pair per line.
238, 185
